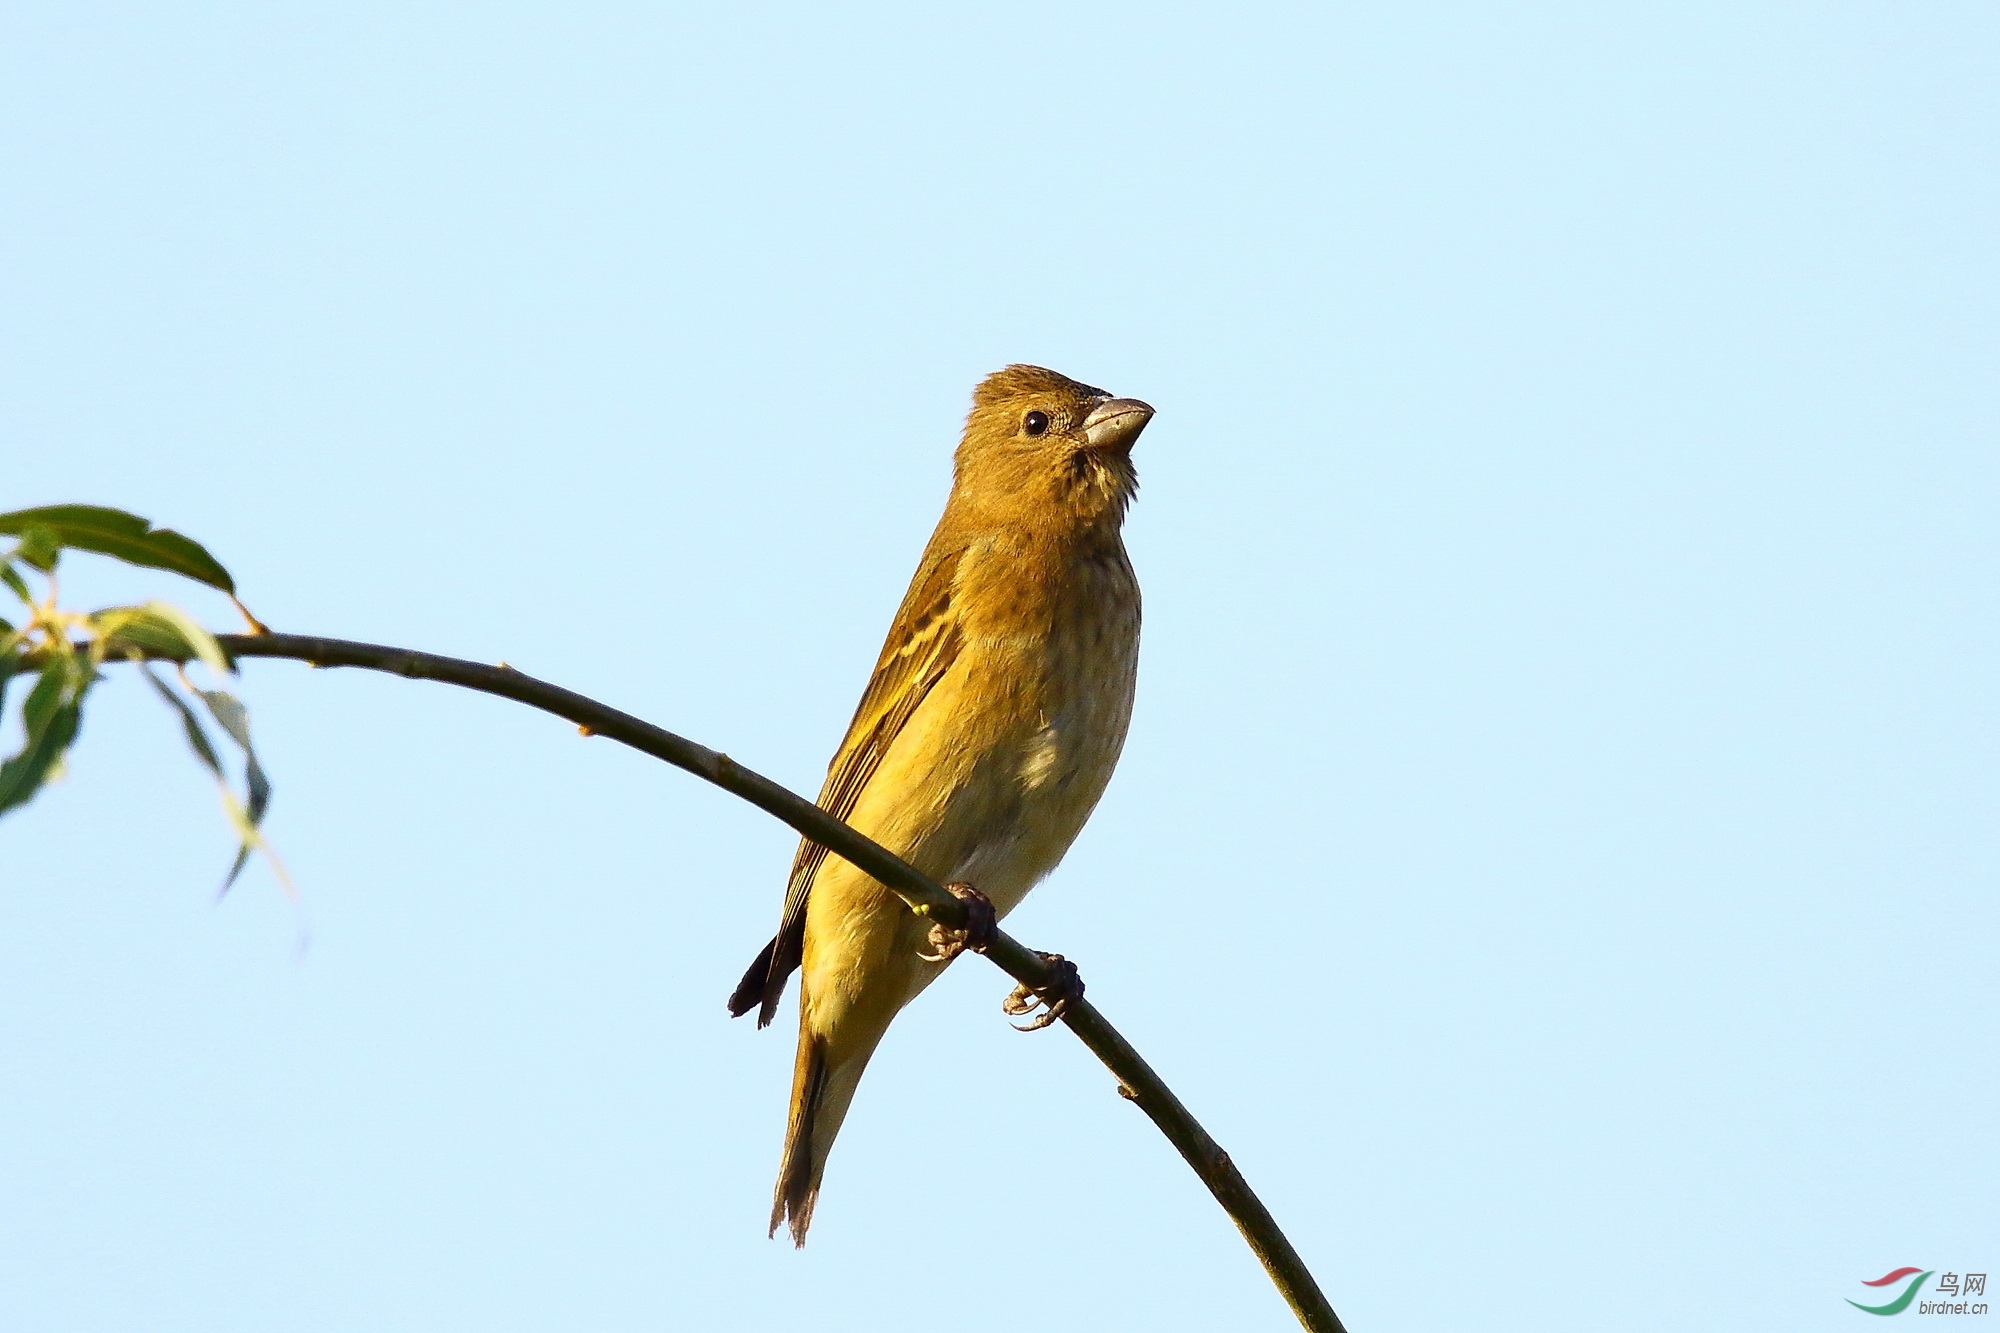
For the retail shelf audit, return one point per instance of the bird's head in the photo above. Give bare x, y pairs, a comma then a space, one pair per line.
1043, 448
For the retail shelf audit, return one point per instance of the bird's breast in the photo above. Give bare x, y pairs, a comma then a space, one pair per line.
1065, 668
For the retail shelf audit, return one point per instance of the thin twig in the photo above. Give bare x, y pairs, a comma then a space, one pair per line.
1136, 1079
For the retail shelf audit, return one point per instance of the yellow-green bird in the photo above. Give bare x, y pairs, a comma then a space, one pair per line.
988, 731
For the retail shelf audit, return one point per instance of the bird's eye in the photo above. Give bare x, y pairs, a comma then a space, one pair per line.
1035, 423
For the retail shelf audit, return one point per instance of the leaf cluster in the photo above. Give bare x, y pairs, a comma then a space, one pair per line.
62, 651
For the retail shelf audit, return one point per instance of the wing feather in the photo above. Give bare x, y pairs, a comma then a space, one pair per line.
924, 641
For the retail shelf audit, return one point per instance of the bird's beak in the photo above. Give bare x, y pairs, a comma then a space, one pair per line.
1115, 423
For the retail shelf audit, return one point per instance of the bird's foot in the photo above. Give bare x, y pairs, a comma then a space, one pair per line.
1064, 989
977, 934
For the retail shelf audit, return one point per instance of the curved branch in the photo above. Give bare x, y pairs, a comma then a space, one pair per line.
1136, 1079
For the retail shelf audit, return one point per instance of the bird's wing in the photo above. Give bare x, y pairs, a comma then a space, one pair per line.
923, 643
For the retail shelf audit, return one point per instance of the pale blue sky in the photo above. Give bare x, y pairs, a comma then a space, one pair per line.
1556, 848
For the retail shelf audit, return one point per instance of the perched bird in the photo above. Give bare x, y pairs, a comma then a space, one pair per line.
988, 731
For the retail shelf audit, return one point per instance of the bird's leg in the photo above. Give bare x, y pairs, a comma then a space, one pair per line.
1064, 989
976, 934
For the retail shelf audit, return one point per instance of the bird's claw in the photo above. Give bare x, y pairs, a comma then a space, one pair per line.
1064, 989
977, 934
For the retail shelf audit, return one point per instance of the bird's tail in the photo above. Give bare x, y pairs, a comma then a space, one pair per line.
821, 1092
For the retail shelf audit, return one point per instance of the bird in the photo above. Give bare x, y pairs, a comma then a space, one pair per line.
995, 714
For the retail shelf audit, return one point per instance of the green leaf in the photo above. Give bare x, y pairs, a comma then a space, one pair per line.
52, 714
197, 737
40, 547
247, 815
161, 630
12, 578
124, 629
123, 536
234, 718
10, 667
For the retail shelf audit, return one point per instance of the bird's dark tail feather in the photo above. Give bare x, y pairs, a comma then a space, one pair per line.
749, 992
763, 985
798, 1188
